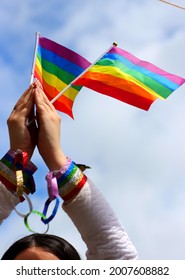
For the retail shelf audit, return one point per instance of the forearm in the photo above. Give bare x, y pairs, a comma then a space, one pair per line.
99, 227
92, 215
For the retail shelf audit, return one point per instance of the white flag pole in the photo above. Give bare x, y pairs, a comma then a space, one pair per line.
68, 86
37, 34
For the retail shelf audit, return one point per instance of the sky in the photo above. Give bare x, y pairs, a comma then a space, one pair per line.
137, 158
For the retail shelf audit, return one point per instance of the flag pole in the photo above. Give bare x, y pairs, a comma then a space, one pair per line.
174, 5
68, 86
37, 34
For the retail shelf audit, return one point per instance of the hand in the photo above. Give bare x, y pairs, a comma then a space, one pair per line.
21, 136
48, 141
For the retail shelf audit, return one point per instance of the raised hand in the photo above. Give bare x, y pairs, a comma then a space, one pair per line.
48, 140
21, 135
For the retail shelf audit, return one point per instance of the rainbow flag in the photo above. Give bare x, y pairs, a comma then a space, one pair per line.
56, 67
123, 76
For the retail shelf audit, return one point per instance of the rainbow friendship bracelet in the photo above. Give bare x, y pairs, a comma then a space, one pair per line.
70, 181
67, 182
8, 176
8, 161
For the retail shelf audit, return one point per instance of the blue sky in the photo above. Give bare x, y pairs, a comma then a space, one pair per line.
137, 157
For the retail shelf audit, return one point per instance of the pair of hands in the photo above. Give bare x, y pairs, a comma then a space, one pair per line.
44, 132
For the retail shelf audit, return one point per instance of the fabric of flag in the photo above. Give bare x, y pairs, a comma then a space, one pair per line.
56, 67
123, 76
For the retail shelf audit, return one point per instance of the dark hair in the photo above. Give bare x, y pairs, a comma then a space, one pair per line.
51, 243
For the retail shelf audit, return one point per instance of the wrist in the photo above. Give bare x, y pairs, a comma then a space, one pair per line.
7, 172
70, 180
55, 160
29, 151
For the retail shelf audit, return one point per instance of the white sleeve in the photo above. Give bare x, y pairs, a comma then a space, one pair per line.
7, 202
99, 227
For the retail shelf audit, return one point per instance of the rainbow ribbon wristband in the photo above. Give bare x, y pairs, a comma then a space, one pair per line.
17, 161
70, 180
16, 173
67, 182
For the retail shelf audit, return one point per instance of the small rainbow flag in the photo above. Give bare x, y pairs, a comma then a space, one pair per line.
123, 76
56, 67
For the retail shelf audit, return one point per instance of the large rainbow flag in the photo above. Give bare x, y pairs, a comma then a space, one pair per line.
123, 76
56, 67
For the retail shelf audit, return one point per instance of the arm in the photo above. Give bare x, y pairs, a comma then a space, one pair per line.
23, 138
99, 227
7, 199
97, 223
87, 208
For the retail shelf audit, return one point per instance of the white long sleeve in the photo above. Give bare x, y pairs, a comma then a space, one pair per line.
99, 227
7, 202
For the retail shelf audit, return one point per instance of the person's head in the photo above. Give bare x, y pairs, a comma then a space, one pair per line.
41, 247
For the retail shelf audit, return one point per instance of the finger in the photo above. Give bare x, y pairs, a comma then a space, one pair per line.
38, 83
29, 106
26, 105
41, 100
47, 101
25, 96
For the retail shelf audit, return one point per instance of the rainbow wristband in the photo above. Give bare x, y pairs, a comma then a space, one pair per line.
70, 180
7, 174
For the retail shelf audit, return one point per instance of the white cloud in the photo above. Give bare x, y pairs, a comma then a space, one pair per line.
137, 157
